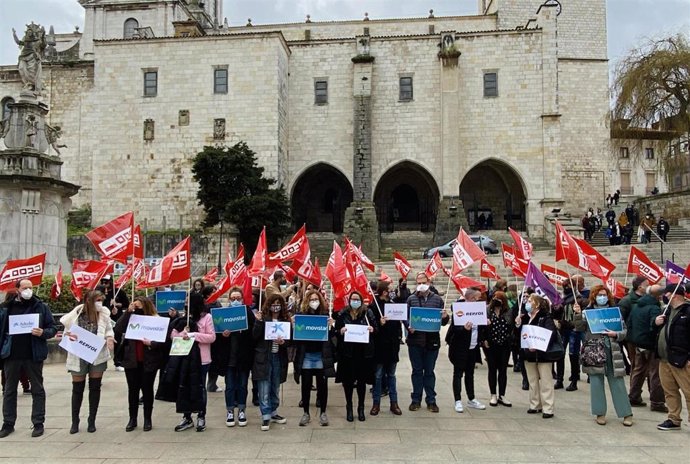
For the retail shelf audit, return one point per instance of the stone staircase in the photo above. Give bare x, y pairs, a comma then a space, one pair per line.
677, 233
409, 243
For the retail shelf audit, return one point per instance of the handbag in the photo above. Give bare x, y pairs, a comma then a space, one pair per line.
556, 350
593, 353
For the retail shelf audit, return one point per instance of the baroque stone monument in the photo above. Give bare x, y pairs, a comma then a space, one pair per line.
34, 200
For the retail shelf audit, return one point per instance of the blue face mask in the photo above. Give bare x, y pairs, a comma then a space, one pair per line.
355, 304
528, 307
602, 300
235, 303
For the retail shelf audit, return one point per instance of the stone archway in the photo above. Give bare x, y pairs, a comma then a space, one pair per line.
494, 188
319, 199
406, 198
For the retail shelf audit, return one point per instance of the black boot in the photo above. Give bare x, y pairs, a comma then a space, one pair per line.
94, 400
348, 411
360, 413
148, 425
77, 397
572, 387
575, 372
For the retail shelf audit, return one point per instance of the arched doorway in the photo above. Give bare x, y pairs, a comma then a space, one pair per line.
493, 196
406, 198
319, 198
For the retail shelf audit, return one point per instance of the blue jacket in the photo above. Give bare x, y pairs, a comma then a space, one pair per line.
39, 345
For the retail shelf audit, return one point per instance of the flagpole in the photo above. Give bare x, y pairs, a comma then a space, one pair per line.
189, 292
445, 299
131, 235
330, 301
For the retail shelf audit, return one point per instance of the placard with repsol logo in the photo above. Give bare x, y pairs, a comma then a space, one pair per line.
603, 319
425, 319
311, 328
82, 343
469, 311
233, 319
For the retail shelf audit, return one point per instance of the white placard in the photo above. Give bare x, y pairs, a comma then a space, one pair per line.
356, 333
395, 311
274, 330
474, 312
82, 343
153, 328
23, 323
533, 336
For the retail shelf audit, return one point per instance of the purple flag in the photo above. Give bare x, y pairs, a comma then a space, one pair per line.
541, 285
675, 272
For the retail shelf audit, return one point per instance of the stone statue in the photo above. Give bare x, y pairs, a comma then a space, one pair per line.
31, 131
32, 45
53, 134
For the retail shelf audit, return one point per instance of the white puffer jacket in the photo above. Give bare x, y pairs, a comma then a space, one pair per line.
105, 330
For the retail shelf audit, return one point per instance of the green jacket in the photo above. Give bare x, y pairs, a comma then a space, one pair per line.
641, 330
627, 303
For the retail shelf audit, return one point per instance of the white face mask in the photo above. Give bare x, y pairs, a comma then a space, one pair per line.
314, 304
423, 288
99, 305
27, 293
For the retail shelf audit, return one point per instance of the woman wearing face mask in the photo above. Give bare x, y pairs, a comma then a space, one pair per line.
355, 360
141, 360
270, 360
613, 368
498, 342
314, 360
95, 318
234, 357
541, 391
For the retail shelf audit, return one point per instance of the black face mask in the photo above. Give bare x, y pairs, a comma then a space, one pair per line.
665, 299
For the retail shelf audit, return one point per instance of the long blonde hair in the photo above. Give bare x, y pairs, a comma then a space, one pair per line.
89, 307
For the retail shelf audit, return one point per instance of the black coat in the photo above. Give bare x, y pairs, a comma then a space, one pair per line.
237, 350
459, 339
355, 360
39, 345
544, 320
387, 338
154, 355
262, 350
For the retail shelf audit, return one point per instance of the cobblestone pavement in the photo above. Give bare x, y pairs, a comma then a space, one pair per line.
497, 434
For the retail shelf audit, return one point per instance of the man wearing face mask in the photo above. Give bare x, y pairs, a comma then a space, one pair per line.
423, 346
26, 351
279, 286
673, 348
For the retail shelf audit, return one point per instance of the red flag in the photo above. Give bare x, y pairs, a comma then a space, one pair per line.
361, 282
510, 261
435, 265
56, 288
617, 288
308, 271
555, 276
175, 267
290, 274
222, 287
22, 269
597, 264
337, 274
138, 243
385, 277
114, 239
462, 282
401, 264
258, 263
488, 270
86, 274
211, 275
562, 239
356, 252
523, 248
295, 249
640, 264
466, 252
126, 276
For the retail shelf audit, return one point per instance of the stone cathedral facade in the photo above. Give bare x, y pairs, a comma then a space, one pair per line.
414, 124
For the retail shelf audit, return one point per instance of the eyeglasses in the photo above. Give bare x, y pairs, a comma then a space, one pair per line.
237, 298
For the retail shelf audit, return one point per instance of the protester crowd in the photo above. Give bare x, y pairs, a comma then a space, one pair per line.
625, 228
653, 347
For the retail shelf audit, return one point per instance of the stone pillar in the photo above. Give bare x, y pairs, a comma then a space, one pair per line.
361, 224
449, 219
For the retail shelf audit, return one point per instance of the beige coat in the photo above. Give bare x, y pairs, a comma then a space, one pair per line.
105, 330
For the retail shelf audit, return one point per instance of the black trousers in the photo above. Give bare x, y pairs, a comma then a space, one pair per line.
140, 380
307, 377
497, 358
466, 370
34, 370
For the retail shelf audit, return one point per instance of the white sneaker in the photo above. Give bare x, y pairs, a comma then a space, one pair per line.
458, 406
474, 404
119, 368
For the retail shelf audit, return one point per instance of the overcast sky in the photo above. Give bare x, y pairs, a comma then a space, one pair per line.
629, 21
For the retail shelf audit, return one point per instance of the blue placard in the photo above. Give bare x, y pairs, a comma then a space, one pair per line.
171, 299
311, 328
425, 319
600, 320
232, 319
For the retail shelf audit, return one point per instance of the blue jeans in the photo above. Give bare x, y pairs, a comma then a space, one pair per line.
236, 381
269, 388
423, 362
576, 339
389, 371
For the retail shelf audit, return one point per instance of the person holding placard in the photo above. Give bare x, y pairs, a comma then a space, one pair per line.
270, 360
355, 359
235, 354
613, 367
498, 342
314, 359
386, 351
95, 318
141, 360
27, 350
464, 353
537, 364
423, 346
192, 397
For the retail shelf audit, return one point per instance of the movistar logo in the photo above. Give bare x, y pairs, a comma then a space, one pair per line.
220, 320
415, 318
134, 326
